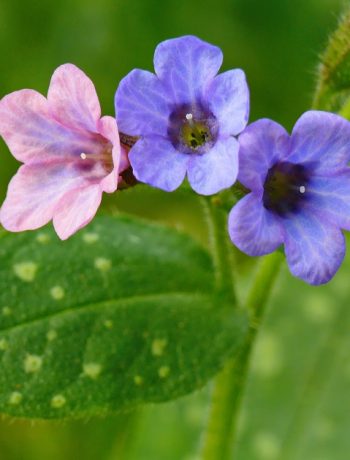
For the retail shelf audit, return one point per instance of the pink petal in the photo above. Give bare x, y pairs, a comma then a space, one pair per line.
32, 134
72, 98
124, 159
34, 192
76, 209
107, 127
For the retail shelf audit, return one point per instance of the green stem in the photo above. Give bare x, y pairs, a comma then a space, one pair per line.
230, 384
221, 247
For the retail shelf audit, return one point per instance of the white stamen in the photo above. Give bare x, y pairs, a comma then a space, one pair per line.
302, 189
189, 116
83, 156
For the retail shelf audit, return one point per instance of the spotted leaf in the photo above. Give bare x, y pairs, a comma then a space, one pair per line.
123, 313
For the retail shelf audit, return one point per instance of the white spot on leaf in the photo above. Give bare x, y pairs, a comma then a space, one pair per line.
32, 363
58, 401
51, 335
43, 238
103, 264
90, 238
163, 372
158, 346
57, 292
26, 271
6, 311
138, 380
3, 344
92, 370
15, 398
108, 324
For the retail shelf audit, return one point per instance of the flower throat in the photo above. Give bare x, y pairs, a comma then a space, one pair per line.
192, 129
285, 188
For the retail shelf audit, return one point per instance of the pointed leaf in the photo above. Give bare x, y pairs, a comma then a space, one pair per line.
121, 314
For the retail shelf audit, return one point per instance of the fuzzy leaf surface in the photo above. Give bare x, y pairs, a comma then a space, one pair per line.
123, 313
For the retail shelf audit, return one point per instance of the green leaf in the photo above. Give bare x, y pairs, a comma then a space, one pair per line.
333, 87
123, 313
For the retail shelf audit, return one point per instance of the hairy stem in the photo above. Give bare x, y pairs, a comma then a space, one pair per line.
230, 384
221, 247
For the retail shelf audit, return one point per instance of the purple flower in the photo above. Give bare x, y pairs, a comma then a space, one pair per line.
186, 117
70, 154
300, 193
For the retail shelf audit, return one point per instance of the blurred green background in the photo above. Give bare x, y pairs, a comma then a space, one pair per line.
297, 405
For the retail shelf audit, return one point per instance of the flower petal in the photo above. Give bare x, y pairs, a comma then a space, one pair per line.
215, 170
322, 138
72, 98
314, 248
252, 228
142, 105
107, 127
32, 134
34, 192
156, 162
186, 65
262, 144
228, 98
76, 209
330, 196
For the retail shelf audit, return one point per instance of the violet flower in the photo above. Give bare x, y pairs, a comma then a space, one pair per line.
186, 117
300, 193
70, 154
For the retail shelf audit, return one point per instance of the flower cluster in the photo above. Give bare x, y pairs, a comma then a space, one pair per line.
186, 120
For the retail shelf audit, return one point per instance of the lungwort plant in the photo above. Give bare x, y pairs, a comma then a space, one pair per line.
127, 312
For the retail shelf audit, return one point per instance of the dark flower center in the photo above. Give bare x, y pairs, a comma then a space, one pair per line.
285, 188
192, 129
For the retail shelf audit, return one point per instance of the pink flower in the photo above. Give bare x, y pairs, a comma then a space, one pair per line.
70, 154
